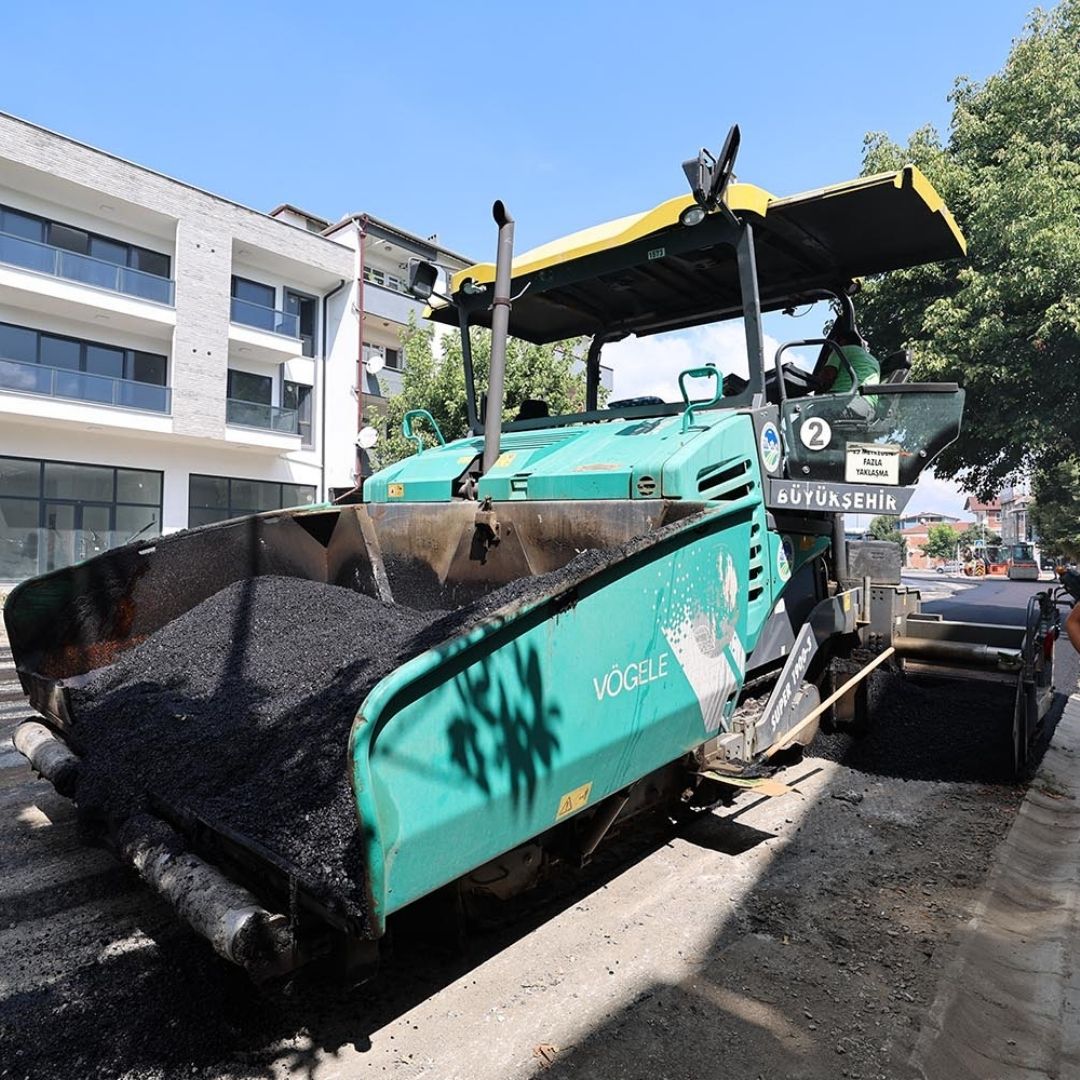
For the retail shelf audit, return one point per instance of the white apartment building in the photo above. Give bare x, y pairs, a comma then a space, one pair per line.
1016, 500
170, 358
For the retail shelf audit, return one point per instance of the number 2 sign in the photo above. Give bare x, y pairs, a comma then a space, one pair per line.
815, 433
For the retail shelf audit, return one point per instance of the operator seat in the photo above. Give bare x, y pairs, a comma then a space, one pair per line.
532, 409
896, 367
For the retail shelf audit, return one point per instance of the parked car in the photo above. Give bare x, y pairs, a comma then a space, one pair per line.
950, 568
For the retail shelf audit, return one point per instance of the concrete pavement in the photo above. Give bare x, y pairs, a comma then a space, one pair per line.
1008, 1006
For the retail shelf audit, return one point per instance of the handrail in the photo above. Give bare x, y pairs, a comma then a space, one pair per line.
85, 269
407, 428
23, 377
835, 346
704, 403
262, 317
255, 414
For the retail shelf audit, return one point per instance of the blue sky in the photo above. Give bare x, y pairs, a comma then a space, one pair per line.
423, 113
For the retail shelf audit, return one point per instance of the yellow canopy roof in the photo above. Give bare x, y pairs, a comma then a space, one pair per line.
820, 239
612, 234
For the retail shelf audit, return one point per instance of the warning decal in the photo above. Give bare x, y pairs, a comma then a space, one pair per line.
573, 800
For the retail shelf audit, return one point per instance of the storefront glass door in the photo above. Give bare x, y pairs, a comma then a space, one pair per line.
75, 531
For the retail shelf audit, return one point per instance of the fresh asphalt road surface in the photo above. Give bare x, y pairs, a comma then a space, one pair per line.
993, 600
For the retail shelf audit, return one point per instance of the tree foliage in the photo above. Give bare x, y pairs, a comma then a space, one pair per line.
979, 533
940, 542
884, 527
1056, 510
1005, 321
434, 379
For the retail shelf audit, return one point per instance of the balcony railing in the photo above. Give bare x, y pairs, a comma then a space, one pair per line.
268, 417
82, 386
247, 313
45, 259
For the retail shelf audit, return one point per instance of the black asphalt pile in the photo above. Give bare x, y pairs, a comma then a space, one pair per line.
240, 711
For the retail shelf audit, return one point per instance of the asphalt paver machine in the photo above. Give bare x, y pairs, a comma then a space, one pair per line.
661, 594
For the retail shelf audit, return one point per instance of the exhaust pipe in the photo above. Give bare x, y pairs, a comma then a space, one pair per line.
500, 328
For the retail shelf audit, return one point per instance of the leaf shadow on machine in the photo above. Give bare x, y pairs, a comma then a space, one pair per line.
505, 725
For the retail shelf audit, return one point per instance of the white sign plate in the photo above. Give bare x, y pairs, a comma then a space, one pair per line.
796, 495
869, 463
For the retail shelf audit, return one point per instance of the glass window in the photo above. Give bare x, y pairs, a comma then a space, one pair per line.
303, 307
19, 536
393, 359
136, 523
147, 368
297, 396
109, 250
254, 496
89, 483
60, 352
138, 486
243, 386
20, 476
73, 516
102, 360
209, 491
253, 292
58, 538
63, 236
149, 262
218, 498
79, 241
201, 515
18, 343
24, 225
297, 495
26, 346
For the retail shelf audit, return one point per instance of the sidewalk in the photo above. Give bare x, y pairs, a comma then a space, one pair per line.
1008, 1006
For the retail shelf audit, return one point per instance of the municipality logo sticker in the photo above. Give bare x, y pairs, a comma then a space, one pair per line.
785, 558
770, 447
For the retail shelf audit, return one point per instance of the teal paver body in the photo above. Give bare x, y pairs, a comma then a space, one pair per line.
475, 747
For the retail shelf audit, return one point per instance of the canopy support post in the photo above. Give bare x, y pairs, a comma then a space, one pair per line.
466, 362
751, 302
592, 373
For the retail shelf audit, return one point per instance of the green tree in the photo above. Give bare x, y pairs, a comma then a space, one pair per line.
1056, 510
434, 379
979, 533
884, 527
940, 542
1005, 321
